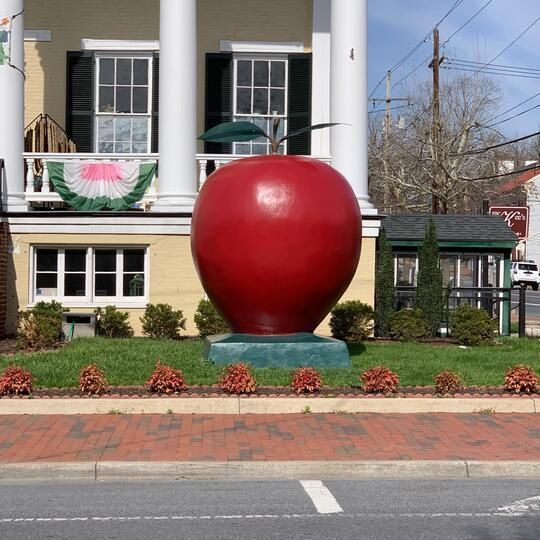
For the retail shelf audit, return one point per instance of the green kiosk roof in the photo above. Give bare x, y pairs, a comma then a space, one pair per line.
452, 230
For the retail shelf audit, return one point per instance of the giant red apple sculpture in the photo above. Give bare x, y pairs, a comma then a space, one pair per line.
275, 239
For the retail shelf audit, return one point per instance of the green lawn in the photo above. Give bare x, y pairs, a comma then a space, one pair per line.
130, 362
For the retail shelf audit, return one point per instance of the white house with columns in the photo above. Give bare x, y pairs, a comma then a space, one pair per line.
138, 81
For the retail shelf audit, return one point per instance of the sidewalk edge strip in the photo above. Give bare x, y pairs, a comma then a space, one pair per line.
259, 405
297, 470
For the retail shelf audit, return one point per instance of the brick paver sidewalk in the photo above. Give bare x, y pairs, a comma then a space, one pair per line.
276, 437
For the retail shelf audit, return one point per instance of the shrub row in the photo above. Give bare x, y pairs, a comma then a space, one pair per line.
239, 379
353, 321
350, 321
41, 326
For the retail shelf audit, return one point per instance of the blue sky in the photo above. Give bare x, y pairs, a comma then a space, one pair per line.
396, 26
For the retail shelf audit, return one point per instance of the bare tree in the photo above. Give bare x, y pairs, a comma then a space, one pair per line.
407, 169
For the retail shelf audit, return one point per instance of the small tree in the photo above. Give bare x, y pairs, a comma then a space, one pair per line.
429, 285
384, 287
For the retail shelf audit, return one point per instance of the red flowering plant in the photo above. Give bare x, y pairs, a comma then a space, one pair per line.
238, 379
379, 379
306, 380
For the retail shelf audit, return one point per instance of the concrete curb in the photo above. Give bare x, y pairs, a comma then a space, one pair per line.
260, 405
262, 470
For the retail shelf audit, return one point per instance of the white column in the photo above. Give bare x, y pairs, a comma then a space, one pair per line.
12, 124
177, 171
320, 82
348, 94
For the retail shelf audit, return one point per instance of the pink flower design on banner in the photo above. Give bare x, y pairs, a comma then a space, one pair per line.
93, 172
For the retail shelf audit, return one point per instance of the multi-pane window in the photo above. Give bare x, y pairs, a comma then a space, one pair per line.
260, 94
123, 104
90, 274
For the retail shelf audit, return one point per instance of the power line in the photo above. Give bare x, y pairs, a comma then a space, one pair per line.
513, 116
474, 63
514, 107
472, 17
456, 4
488, 148
490, 72
413, 71
468, 21
532, 168
390, 109
506, 48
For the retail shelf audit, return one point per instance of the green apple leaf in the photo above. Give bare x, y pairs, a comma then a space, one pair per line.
308, 128
233, 132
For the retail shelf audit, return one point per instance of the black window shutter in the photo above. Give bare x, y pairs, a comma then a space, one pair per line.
299, 102
80, 99
218, 97
155, 104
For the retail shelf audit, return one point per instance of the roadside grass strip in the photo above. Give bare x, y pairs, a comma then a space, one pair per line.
131, 361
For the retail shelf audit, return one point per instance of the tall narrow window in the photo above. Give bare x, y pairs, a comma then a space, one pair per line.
123, 104
260, 93
75, 272
46, 277
105, 276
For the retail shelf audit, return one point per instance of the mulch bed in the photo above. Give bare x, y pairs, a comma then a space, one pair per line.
269, 391
8, 346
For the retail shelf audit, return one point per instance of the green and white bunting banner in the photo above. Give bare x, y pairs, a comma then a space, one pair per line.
5, 36
102, 185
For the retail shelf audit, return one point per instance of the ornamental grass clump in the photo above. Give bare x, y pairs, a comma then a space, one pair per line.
238, 379
379, 379
306, 380
521, 378
92, 380
166, 380
16, 380
447, 382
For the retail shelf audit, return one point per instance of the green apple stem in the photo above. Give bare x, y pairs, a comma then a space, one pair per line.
274, 140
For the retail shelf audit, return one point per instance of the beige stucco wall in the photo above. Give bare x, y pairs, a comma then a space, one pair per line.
72, 20
172, 276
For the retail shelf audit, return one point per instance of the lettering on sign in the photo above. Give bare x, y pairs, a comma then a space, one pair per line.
517, 218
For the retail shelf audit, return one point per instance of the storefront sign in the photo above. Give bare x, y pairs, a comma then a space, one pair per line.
517, 218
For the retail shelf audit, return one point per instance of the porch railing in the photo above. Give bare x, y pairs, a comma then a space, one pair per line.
38, 188
495, 300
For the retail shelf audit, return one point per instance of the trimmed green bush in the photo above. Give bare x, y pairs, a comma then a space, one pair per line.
429, 283
112, 323
161, 321
385, 292
351, 321
208, 320
408, 325
472, 326
40, 327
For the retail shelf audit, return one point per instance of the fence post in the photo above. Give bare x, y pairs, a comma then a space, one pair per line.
522, 297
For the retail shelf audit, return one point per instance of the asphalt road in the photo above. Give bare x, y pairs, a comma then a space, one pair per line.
385, 509
532, 303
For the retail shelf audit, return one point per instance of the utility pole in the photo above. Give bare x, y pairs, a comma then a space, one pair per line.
387, 132
388, 106
436, 127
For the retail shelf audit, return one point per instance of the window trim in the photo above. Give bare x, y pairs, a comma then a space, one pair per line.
133, 55
266, 47
89, 300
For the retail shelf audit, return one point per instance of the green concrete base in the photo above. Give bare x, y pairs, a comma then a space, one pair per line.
285, 351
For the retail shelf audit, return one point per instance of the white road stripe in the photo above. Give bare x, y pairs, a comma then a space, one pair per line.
324, 501
501, 512
521, 507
